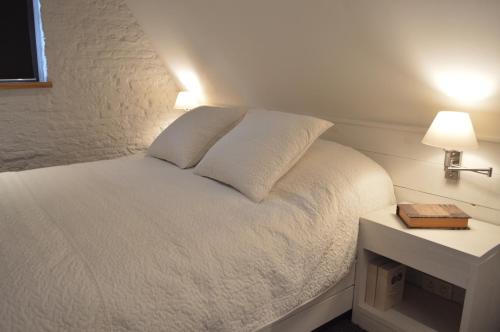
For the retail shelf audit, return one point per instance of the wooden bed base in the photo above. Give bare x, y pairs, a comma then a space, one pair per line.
319, 311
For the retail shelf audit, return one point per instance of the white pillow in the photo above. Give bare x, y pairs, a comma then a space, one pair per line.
260, 150
189, 137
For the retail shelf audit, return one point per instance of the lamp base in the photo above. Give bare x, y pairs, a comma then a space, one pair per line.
452, 158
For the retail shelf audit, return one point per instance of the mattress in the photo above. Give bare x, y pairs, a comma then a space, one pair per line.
138, 244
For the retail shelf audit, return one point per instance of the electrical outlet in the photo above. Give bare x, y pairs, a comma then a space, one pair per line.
414, 277
443, 289
458, 294
428, 283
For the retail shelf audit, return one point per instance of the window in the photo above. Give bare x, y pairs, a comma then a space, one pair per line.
21, 42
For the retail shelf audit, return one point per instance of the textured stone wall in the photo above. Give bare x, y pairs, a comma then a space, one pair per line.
112, 94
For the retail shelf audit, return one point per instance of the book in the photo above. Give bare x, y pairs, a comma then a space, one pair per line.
390, 285
371, 278
432, 216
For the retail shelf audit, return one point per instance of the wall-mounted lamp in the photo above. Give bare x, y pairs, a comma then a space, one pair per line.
453, 131
186, 101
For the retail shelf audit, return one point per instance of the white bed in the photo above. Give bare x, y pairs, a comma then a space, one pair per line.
138, 244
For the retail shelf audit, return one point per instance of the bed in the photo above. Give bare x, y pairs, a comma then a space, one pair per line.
139, 244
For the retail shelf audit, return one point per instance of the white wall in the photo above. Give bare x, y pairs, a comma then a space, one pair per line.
386, 66
372, 60
111, 93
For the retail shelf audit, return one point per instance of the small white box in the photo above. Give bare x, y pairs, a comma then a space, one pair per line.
390, 285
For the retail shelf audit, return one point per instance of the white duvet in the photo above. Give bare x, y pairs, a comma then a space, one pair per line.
139, 244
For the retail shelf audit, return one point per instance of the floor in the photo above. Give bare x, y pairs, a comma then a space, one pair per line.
340, 324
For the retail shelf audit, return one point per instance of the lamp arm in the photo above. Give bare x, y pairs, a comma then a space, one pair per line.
453, 166
485, 171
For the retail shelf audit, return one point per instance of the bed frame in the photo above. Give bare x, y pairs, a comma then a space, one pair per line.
318, 311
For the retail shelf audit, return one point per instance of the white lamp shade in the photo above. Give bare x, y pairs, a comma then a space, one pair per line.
451, 131
186, 101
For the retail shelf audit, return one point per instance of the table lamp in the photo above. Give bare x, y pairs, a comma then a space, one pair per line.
186, 101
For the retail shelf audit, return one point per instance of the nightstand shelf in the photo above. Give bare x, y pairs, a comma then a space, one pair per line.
468, 259
421, 311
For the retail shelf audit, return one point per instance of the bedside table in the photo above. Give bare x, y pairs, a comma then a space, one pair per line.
468, 259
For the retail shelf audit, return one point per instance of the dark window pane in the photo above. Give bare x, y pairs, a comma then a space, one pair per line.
16, 24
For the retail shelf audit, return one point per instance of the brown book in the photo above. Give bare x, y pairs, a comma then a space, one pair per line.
432, 216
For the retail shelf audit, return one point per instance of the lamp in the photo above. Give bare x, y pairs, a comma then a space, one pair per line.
453, 131
186, 101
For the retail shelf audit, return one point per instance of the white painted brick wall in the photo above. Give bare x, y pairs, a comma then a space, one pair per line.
111, 95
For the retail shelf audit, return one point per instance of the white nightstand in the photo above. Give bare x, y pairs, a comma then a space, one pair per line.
469, 259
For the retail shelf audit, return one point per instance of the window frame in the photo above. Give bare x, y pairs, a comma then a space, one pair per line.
36, 45
33, 41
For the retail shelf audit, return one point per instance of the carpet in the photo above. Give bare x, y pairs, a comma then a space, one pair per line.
340, 324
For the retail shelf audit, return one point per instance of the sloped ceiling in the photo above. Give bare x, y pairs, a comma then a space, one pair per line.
393, 61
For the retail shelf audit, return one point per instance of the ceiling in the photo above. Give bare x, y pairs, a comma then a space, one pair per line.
391, 61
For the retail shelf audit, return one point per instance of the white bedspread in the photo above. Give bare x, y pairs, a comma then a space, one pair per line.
139, 244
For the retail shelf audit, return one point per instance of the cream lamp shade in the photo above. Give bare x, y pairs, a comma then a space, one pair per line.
186, 101
451, 131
